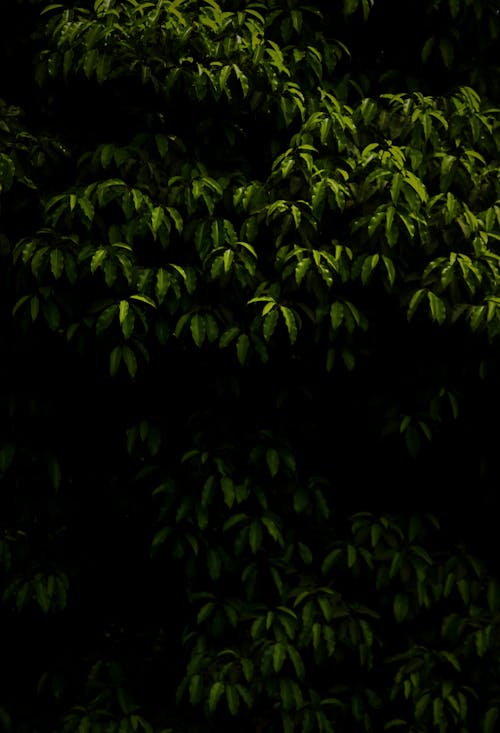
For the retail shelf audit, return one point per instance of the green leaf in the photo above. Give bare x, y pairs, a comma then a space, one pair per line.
7, 171
489, 721
336, 314
214, 563
273, 461
369, 265
242, 348
412, 441
6, 455
255, 535
331, 560
114, 360
350, 6
196, 689
348, 358
421, 705
400, 607
57, 263
130, 360
198, 329
427, 49
34, 307
233, 521
214, 696
228, 336
105, 319
297, 662
54, 472
205, 612
447, 51
227, 486
176, 218
305, 553
493, 595
351, 556
273, 530
232, 699
279, 656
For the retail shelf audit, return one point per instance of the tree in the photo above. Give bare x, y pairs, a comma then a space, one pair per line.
250, 355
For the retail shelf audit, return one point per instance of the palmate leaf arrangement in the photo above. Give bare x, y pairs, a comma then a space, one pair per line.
267, 236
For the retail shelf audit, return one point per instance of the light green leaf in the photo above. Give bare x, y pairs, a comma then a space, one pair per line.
123, 310
157, 218
144, 299
397, 181
415, 300
290, 322
437, 306
270, 322
301, 270
369, 265
391, 271
97, 259
228, 259
87, 207
176, 218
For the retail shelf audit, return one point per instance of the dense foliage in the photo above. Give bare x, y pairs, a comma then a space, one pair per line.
250, 316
